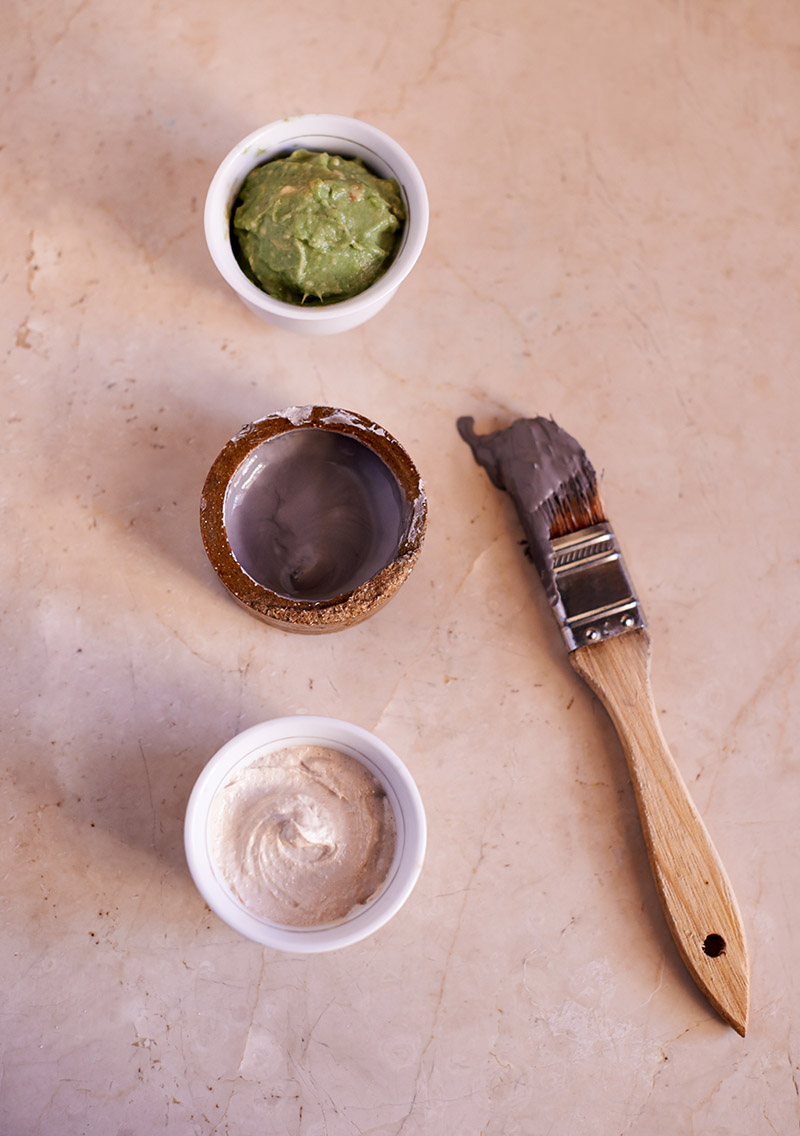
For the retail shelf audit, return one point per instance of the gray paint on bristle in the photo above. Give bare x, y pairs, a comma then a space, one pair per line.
539, 465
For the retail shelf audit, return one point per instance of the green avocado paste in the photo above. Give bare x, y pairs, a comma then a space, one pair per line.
316, 227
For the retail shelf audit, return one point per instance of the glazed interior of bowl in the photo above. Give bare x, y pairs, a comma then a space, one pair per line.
313, 514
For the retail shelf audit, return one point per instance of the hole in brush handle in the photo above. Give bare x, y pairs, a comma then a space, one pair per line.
714, 945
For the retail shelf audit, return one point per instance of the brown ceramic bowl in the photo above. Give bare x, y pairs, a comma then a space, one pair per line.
313, 517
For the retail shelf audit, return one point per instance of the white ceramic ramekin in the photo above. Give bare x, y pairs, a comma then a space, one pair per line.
403, 797
336, 134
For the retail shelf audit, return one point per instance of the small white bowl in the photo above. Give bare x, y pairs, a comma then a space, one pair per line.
336, 134
403, 796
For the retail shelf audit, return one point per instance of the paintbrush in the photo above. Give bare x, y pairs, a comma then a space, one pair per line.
575, 551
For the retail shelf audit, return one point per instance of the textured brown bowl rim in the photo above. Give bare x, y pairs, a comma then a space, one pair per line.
311, 615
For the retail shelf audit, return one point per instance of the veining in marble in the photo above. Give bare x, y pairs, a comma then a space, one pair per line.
613, 241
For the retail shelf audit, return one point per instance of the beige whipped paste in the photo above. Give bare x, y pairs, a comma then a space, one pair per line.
302, 835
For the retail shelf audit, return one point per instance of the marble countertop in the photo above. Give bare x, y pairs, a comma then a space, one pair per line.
614, 242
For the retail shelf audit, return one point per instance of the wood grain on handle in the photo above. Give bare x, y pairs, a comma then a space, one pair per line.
695, 893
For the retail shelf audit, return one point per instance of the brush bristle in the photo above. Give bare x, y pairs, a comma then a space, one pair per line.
574, 506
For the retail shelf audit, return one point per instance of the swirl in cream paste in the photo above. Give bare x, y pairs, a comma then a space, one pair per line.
302, 835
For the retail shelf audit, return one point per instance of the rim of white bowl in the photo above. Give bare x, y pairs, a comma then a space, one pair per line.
404, 798
338, 134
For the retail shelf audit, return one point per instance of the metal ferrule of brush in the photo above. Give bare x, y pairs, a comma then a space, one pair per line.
597, 596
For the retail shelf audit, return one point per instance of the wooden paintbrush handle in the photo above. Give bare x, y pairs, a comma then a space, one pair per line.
695, 893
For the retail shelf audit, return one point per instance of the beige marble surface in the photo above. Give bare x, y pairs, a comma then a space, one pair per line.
614, 241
